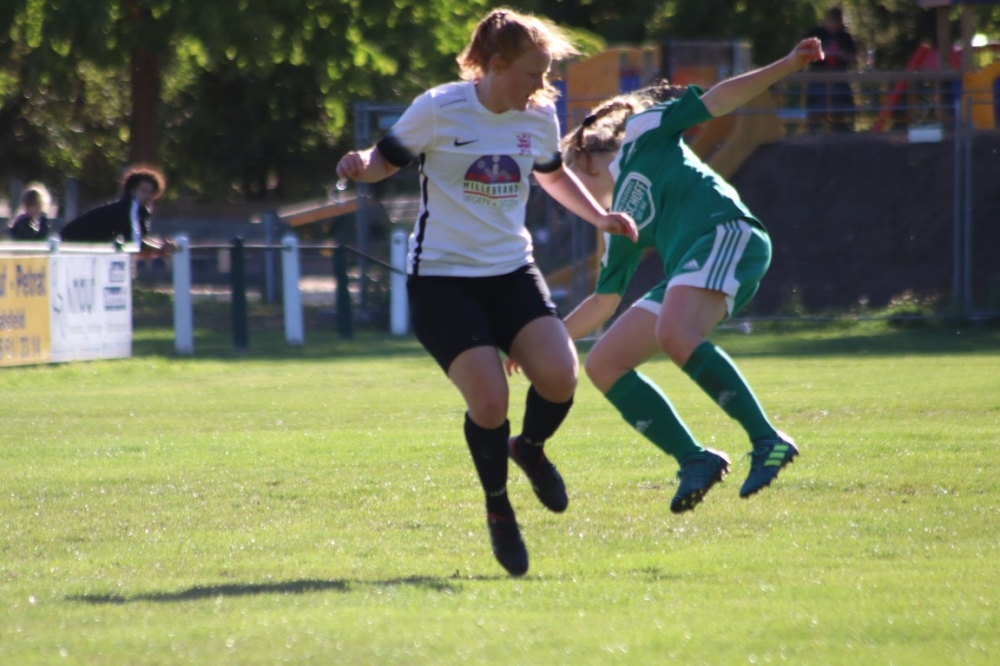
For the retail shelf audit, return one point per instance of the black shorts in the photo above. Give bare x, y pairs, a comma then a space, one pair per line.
453, 314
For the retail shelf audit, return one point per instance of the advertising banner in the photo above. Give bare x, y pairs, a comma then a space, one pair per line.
91, 300
24, 310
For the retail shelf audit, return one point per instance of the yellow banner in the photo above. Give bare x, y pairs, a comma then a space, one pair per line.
25, 333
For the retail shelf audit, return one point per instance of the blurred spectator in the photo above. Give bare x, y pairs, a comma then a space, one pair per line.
32, 223
128, 219
833, 102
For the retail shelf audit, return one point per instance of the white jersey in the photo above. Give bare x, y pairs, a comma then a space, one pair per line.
474, 170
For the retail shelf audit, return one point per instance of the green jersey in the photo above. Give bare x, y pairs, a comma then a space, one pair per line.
672, 195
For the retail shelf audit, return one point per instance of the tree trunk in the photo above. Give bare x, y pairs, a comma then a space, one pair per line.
145, 88
145, 103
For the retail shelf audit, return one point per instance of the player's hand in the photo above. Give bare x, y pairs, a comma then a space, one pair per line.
511, 366
618, 224
807, 51
352, 165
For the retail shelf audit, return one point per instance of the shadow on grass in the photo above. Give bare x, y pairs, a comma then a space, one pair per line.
805, 338
430, 583
881, 338
271, 345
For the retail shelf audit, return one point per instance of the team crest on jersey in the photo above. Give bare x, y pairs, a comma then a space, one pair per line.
493, 180
635, 197
524, 144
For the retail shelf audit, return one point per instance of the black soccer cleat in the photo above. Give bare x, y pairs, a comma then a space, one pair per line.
544, 477
769, 456
697, 475
508, 547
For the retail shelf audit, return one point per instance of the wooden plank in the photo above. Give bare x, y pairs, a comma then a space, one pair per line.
309, 214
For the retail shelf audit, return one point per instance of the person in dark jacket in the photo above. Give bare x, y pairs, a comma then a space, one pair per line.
128, 218
832, 101
32, 223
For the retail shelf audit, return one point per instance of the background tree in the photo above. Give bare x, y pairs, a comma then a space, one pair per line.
60, 111
253, 99
172, 52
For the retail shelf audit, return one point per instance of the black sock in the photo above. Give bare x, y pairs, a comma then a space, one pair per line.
541, 420
489, 454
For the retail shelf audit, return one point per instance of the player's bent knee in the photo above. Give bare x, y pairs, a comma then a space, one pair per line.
603, 373
674, 342
557, 387
488, 411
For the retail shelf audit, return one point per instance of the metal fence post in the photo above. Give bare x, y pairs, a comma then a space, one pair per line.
237, 276
270, 226
399, 307
345, 319
183, 315
14, 190
71, 200
959, 192
970, 129
294, 329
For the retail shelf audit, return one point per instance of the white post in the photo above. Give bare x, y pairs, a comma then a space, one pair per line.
183, 316
294, 329
399, 308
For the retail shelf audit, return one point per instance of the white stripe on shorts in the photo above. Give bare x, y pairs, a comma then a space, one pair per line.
719, 271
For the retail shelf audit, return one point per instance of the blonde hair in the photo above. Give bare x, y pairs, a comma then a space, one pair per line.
35, 194
603, 129
508, 34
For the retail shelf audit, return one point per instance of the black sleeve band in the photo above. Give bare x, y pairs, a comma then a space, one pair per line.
394, 152
549, 167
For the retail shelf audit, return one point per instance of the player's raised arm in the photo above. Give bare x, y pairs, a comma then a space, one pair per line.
729, 95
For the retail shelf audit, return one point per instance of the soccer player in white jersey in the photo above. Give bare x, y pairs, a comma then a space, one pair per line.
473, 286
630, 153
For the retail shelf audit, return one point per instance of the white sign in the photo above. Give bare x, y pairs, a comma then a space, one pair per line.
91, 299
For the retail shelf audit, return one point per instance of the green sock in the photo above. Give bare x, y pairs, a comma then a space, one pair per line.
648, 410
713, 370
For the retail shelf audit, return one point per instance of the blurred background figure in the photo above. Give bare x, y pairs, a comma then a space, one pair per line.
129, 218
832, 102
32, 223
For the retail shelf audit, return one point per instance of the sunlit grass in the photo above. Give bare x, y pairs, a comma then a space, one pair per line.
319, 506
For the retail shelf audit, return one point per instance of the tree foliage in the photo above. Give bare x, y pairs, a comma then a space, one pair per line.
256, 95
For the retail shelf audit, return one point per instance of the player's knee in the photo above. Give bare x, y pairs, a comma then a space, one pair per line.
601, 371
558, 382
489, 410
598, 371
673, 340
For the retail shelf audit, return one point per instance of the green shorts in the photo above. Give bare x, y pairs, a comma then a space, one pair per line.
732, 259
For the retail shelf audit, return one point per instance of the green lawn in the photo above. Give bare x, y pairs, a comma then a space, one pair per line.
319, 506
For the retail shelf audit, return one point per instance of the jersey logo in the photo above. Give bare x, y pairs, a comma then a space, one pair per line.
635, 197
692, 265
464, 143
524, 144
493, 180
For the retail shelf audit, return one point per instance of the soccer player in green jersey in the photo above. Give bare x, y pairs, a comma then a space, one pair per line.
631, 155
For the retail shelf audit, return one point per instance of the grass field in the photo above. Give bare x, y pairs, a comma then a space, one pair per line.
319, 506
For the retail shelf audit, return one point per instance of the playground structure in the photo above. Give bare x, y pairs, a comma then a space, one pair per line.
938, 84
